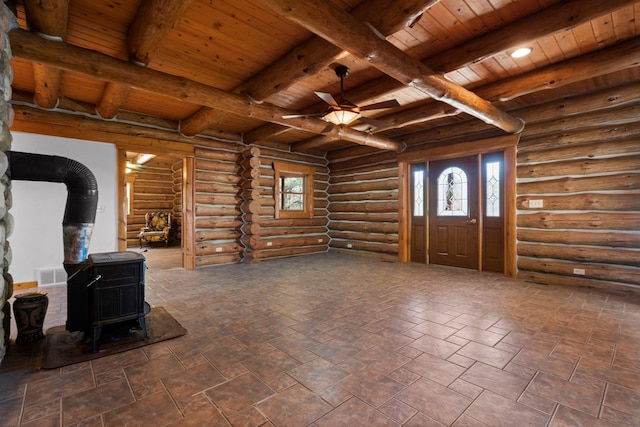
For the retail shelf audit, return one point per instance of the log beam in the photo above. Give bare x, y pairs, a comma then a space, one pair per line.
314, 54
202, 119
562, 16
621, 56
153, 21
47, 17
317, 53
616, 58
554, 19
311, 144
113, 97
263, 132
34, 120
97, 65
347, 32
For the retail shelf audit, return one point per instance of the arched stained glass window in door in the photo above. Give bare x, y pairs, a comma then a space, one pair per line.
453, 197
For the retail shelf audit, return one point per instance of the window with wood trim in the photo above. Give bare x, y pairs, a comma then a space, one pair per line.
293, 190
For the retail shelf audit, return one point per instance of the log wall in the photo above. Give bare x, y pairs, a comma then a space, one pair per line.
579, 194
579, 157
234, 205
363, 208
218, 218
291, 236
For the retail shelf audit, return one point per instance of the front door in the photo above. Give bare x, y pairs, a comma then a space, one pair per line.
453, 212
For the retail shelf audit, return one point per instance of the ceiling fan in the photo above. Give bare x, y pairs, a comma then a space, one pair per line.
346, 112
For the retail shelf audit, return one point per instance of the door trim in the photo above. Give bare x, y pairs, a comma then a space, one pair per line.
507, 144
188, 200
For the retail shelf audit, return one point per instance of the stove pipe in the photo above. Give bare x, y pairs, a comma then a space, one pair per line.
82, 197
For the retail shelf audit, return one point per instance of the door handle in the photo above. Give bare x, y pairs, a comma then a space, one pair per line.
472, 221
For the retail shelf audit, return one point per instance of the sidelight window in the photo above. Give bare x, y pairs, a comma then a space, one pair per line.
453, 196
492, 190
418, 192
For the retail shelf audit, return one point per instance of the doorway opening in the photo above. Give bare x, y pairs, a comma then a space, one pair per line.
151, 182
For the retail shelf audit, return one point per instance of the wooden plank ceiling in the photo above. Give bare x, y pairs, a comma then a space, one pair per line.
234, 68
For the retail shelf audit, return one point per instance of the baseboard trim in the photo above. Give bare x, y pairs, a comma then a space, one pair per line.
25, 285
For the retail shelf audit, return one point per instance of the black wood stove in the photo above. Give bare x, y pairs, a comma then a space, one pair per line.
106, 289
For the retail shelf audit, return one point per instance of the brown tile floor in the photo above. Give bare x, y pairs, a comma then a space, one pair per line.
332, 340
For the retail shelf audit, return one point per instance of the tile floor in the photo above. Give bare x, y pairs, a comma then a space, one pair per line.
336, 340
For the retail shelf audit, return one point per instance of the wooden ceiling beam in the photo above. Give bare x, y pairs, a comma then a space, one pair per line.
560, 17
203, 118
552, 20
113, 98
49, 18
420, 114
598, 63
315, 54
618, 57
35, 120
103, 67
264, 132
617, 121
312, 144
153, 21
345, 31
621, 56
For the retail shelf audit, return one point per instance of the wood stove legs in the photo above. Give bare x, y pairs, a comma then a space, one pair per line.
97, 331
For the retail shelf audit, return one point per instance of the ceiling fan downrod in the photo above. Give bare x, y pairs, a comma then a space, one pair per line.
342, 71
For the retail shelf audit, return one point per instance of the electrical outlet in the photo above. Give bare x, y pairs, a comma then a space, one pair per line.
536, 203
319, 240
349, 245
218, 249
579, 271
269, 243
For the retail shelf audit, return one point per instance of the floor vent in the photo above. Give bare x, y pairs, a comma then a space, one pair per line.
51, 276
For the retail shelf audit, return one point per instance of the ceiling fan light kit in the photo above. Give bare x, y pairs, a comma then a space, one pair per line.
346, 112
341, 117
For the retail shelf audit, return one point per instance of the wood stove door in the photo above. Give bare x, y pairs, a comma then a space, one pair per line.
119, 294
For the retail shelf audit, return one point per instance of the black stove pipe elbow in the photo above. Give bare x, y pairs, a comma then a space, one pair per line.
82, 196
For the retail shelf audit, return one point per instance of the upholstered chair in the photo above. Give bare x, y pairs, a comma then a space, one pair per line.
156, 229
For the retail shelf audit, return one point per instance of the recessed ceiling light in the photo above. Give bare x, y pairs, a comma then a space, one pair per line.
519, 53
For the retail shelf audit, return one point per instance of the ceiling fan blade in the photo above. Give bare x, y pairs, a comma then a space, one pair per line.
374, 122
328, 98
328, 127
299, 116
392, 103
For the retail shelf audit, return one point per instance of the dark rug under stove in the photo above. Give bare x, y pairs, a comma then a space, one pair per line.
63, 348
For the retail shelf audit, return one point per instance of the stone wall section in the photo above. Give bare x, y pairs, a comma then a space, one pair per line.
7, 23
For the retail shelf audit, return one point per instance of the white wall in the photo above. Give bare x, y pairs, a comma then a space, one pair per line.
38, 207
